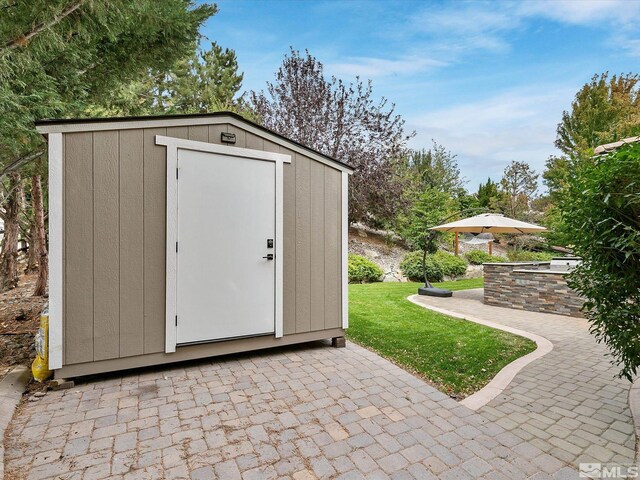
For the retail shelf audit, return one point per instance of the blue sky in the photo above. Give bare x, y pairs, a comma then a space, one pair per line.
488, 80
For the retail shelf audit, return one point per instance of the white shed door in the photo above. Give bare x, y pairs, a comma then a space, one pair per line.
226, 215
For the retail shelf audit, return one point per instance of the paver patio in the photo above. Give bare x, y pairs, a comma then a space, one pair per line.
304, 412
568, 403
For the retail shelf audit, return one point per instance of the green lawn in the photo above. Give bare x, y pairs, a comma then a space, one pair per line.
457, 356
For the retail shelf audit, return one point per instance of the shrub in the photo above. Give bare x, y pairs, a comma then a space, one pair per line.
478, 257
363, 270
411, 267
451, 265
527, 256
438, 265
601, 210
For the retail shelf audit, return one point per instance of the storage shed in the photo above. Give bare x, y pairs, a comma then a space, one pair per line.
182, 237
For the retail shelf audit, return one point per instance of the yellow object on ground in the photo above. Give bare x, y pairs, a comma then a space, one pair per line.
40, 366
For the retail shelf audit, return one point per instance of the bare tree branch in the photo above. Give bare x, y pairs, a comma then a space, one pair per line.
20, 162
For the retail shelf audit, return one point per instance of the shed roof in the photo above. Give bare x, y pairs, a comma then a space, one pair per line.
67, 125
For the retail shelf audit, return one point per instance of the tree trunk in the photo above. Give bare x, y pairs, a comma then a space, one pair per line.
32, 252
40, 244
9, 252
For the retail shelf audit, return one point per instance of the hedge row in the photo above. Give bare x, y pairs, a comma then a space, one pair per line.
478, 257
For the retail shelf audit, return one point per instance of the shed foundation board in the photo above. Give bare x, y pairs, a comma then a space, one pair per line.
194, 352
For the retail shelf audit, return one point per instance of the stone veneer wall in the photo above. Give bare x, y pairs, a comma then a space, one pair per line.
530, 286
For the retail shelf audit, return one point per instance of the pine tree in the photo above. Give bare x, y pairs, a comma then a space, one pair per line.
435, 168
204, 81
487, 193
207, 81
59, 57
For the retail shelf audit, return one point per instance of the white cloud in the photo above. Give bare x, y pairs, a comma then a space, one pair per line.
488, 134
619, 17
368, 67
584, 12
459, 28
467, 19
629, 45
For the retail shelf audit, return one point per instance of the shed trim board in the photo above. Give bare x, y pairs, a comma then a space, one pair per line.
345, 250
175, 144
91, 125
55, 251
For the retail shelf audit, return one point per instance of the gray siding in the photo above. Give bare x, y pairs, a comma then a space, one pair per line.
131, 306
114, 227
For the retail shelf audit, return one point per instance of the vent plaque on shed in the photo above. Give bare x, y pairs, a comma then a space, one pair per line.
228, 137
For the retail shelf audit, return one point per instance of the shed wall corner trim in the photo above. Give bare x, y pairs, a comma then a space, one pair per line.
345, 250
55, 251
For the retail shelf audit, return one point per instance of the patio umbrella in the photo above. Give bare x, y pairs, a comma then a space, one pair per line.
483, 223
489, 223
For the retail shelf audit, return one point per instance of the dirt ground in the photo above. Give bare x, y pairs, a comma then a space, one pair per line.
19, 321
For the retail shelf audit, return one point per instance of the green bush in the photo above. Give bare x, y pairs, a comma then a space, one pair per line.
527, 256
478, 257
363, 270
601, 210
411, 267
452, 266
438, 265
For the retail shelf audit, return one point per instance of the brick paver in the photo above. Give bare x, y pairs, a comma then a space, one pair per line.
568, 403
305, 412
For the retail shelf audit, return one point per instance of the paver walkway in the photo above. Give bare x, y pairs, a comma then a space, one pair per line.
569, 402
301, 413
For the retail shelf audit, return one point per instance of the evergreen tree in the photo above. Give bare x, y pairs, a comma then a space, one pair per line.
58, 58
487, 193
433, 168
207, 80
204, 81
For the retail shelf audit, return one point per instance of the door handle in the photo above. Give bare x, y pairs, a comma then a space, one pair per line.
269, 256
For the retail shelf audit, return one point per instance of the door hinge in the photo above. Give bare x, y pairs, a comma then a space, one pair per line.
176, 247
177, 175
176, 320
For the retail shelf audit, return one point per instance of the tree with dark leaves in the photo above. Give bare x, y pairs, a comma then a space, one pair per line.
342, 121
